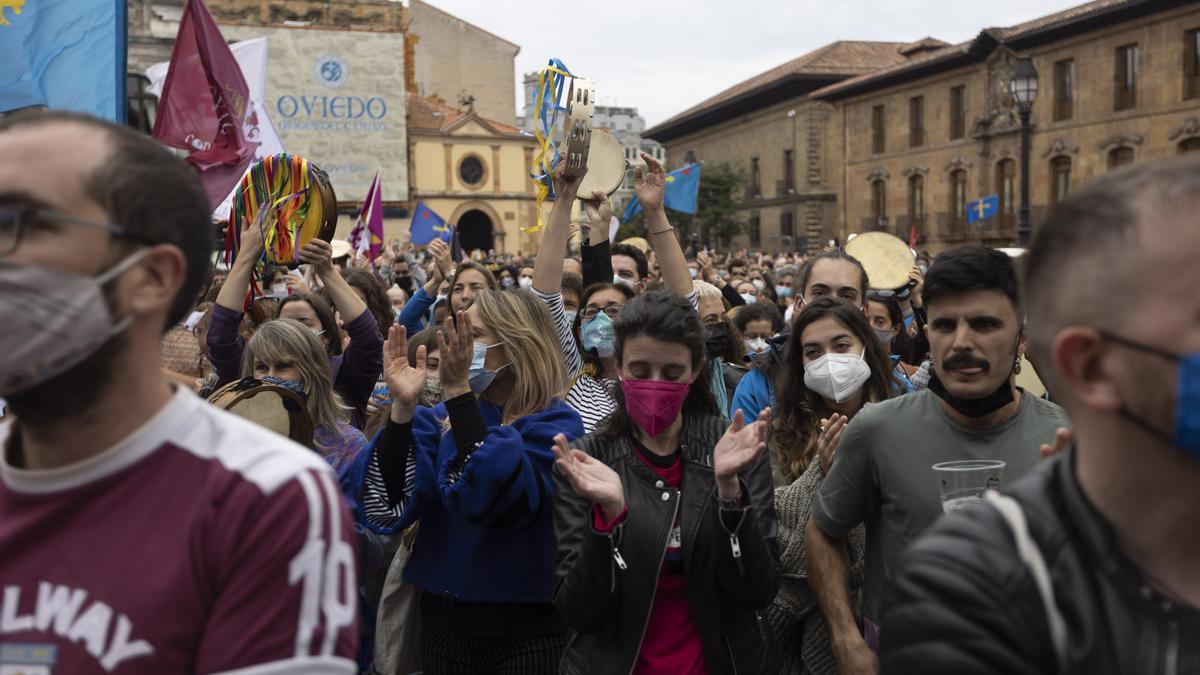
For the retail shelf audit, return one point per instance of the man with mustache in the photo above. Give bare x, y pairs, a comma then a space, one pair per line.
883, 474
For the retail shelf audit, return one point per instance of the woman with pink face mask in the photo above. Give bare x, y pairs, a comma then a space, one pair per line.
664, 519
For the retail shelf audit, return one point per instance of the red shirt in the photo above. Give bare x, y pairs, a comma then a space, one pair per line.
200, 543
672, 643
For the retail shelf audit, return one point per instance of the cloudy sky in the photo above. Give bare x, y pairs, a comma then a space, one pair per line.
662, 56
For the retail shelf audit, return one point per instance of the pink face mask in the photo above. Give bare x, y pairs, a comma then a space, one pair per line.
654, 404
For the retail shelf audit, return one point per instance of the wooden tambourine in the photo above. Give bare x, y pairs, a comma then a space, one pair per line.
606, 165
304, 207
577, 130
886, 258
268, 405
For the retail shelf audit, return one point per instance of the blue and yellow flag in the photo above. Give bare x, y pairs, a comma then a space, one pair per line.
681, 193
984, 208
427, 226
63, 55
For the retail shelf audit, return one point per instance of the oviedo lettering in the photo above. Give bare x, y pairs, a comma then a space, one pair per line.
331, 113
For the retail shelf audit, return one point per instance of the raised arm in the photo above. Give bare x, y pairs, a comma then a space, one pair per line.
548, 270
233, 292
650, 184
319, 254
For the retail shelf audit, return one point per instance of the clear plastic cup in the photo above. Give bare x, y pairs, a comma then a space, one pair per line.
964, 482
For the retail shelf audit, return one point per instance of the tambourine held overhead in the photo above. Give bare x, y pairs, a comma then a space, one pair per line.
302, 203
606, 165
271, 406
887, 259
577, 130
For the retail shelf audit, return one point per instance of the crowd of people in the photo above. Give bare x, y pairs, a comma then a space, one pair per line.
630, 457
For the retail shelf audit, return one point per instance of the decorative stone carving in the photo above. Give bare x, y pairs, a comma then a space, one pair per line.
915, 170
1120, 139
1190, 127
1060, 147
1001, 115
959, 162
879, 173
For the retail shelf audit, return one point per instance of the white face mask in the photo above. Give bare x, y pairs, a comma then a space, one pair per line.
63, 321
756, 346
750, 298
759, 284
837, 377
571, 314
617, 279
525, 282
693, 272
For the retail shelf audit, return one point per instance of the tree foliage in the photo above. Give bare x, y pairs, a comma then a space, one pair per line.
717, 215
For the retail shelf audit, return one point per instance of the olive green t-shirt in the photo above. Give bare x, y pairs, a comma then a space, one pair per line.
883, 472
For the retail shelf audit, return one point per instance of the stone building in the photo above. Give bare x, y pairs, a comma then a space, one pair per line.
1119, 82
474, 172
457, 61
783, 140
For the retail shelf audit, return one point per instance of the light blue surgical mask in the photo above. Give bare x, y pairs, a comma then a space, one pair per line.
598, 334
1186, 434
570, 316
478, 376
784, 292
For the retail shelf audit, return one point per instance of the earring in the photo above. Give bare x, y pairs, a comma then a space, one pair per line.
1017, 367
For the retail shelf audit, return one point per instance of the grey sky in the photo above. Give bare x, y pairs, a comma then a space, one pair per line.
663, 56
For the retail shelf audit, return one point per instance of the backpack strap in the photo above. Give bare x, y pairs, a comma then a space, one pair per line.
1031, 555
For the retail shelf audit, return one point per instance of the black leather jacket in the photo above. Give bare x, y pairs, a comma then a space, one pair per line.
606, 583
961, 601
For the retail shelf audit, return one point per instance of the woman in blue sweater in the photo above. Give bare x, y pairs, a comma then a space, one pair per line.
475, 471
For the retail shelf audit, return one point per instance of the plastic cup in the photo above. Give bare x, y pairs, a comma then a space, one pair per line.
964, 482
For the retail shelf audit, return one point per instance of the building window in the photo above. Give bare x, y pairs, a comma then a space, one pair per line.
755, 178
1119, 157
958, 112
786, 229
916, 201
471, 171
1191, 63
1064, 90
958, 196
1126, 78
754, 229
789, 172
1189, 145
1060, 178
1006, 178
916, 121
877, 138
879, 202
141, 107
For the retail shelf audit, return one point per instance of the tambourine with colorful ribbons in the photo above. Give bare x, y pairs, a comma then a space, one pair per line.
548, 102
301, 207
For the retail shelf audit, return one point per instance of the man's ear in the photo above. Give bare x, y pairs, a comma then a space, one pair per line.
155, 281
1083, 364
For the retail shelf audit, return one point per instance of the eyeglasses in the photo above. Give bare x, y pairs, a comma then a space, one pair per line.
14, 222
590, 312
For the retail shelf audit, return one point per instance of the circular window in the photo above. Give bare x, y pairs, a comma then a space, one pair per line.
470, 170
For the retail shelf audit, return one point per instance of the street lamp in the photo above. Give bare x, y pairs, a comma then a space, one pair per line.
1024, 88
791, 114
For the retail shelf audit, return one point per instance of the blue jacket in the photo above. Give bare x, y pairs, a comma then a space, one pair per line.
412, 317
753, 394
486, 534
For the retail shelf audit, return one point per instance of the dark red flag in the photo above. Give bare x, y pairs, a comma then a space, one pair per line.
204, 104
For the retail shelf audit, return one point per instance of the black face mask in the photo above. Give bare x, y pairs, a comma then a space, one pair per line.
973, 407
717, 341
404, 281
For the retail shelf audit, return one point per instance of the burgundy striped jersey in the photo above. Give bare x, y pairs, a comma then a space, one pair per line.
201, 543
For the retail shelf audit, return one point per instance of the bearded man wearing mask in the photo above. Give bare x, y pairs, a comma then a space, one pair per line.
1112, 303
883, 473
184, 539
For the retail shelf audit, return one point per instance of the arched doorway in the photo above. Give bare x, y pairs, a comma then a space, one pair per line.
475, 231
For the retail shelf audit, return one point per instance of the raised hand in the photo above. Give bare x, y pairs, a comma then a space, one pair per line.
564, 187
737, 451
404, 381
250, 243
830, 439
319, 254
599, 209
590, 478
707, 271
650, 183
455, 350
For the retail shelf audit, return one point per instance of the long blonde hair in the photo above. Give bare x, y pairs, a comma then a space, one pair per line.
523, 324
291, 342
